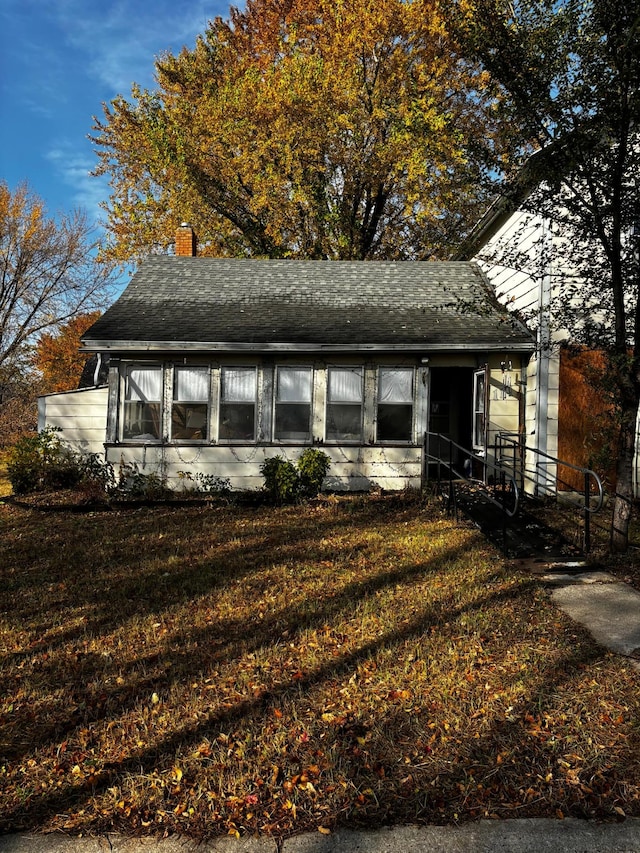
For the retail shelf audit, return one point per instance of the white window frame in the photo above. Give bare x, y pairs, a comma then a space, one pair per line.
330, 403
411, 403
227, 439
480, 408
278, 402
145, 438
177, 368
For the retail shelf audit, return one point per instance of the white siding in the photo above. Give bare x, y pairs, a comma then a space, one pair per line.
352, 468
513, 262
81, 415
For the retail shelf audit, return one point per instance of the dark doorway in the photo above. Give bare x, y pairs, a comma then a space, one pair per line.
451, 404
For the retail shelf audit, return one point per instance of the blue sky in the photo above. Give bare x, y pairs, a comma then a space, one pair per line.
59, 61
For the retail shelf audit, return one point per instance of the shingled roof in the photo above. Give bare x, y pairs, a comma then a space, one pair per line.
214, 304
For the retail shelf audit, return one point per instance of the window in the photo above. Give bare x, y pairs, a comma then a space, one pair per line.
395, 404
479, 408
293, 404
190, 408
142, 403
238, 404
344, 404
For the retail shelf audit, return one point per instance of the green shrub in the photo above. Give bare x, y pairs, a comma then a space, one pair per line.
97, 472
313, 466
41, 462
281, 480
286, 482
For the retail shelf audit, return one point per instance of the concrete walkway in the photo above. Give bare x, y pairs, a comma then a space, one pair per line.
510, 836
607, 608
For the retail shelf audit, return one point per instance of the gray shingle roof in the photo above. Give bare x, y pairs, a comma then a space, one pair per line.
227, 304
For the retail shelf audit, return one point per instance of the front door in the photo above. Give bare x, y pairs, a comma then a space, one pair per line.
450, 405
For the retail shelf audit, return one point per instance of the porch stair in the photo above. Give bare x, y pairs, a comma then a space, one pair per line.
500, 504
524, 536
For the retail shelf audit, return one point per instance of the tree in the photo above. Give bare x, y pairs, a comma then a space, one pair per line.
57, 357
303, 128
18, 405
569, 75
48, 275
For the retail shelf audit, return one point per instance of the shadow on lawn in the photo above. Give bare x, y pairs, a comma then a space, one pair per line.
106, 688
186, 654
242, 713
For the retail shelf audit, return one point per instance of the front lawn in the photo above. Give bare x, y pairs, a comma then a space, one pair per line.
356, 662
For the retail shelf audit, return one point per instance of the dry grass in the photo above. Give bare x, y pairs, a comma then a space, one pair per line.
212, 670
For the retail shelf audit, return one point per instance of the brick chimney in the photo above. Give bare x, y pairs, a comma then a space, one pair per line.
186, 241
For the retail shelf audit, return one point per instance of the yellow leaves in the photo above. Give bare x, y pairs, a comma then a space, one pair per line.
293, 119
291, 806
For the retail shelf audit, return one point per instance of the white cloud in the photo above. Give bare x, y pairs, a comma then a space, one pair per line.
122, 39
73, 167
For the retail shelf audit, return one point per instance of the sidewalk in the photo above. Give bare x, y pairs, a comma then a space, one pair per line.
511, 836
607, 608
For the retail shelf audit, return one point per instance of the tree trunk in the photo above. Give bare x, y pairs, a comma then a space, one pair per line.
624, 485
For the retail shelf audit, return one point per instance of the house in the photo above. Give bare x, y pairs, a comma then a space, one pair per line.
524, 257
215, 365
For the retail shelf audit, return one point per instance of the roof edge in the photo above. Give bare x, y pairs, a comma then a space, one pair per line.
284, 347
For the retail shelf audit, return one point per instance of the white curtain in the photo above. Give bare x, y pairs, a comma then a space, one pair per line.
395, 385
345, 385
145, 384
191, 385
238, 384
294, 385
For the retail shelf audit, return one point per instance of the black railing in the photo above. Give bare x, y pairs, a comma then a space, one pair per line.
455, 465
511, 454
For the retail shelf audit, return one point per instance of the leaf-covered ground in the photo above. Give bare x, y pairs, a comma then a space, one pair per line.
215, 669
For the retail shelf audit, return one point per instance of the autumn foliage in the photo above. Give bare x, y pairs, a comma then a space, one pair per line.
303, 128
57, 355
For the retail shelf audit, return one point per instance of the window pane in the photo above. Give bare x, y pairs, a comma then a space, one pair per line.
293, 422
395, 421
237, 421
293, 399
191, 384
189, 421
395, 385
345, 385
294, 385
479, 422
144, 383
141, 420
395, 404
142, 406
239, 384
344, 422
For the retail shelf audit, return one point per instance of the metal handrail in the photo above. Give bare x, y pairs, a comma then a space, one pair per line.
503, 473
588, 474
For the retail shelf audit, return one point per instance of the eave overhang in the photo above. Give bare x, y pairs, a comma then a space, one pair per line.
89, 346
